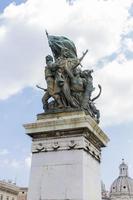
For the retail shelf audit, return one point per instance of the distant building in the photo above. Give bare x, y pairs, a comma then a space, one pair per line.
22, 195
121, 188
9, 191
105, 193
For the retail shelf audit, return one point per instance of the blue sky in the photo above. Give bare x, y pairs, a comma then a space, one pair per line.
5, 3
23, 48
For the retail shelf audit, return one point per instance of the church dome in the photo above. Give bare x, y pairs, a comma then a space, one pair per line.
123, 185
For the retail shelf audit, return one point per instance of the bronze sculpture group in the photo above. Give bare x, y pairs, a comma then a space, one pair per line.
68, 86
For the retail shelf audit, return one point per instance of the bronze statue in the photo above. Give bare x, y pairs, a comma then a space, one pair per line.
67, 84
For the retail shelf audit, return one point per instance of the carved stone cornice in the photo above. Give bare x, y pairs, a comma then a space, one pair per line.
66, 131
62, 144
64, 124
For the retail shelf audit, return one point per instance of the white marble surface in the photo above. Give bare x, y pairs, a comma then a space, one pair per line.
67, 143
62, 175
91, 178
66, 152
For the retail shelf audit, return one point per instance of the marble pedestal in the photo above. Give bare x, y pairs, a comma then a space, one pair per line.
66, 151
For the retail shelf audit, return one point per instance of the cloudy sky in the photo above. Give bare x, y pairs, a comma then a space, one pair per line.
105, 27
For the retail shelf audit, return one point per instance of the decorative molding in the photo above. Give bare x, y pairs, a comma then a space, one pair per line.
72, 144
55, 145
61, 144
65, 124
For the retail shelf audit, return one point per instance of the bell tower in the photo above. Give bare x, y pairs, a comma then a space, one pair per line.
123, 169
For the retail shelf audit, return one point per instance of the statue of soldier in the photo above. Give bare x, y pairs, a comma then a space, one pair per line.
89, 86
67, 65
53, 89
77, 85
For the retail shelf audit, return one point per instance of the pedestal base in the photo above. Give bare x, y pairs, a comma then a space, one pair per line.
66, 157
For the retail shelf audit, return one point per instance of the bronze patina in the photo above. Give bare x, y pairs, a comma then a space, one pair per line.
68, 86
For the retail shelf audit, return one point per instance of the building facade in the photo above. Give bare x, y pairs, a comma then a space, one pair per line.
22, 195
9, 191
105, 193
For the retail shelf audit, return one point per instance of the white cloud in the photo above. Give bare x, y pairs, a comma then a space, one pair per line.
97, 25
4, 152
9, 163
15, 168
116, 103
121, 58
15, 164
4, 162
2, 32
129, 44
